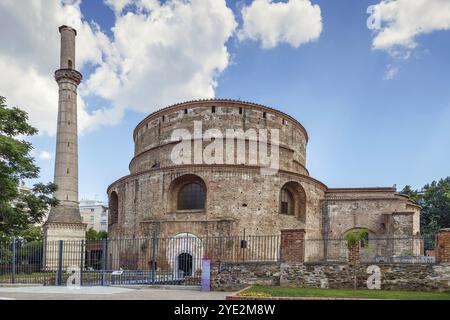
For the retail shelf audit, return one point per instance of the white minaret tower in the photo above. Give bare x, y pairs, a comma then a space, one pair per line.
64, 221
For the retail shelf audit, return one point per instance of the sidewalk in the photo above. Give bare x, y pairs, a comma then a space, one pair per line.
105, 293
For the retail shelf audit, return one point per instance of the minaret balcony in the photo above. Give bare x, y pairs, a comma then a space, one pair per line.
71, 74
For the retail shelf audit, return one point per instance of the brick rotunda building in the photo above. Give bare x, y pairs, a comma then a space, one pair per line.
203, 200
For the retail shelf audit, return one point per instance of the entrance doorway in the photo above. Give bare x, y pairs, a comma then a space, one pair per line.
184, 264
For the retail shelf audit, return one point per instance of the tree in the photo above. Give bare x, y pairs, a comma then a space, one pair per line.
19, 210
93, 235
434, 198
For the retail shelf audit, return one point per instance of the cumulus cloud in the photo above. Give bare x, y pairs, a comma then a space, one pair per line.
402, 21
164, 52
161, 52
294, 22
45, 155
29, 54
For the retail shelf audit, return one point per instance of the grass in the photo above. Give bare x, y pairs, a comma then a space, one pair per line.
264, 291
34, 277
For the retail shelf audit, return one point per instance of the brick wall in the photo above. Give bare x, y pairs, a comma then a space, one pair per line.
443, 246
354, 254
292, 247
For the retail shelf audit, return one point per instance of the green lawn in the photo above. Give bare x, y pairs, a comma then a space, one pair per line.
34, 277
258, 290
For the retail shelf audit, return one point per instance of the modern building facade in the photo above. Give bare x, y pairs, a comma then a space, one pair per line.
94, 214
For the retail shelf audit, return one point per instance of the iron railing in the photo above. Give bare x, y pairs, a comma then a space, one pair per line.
413, 249
177, 260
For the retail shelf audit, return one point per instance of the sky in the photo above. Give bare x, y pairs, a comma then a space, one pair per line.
368, 79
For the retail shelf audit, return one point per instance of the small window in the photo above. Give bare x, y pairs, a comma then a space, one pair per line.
240, 110
69, 64
163, 118
287, 202
67, 170
213, 109
185, 111
156, 165
264, 115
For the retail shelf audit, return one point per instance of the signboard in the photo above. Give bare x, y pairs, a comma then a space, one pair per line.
406, 259
117, 273
206, 275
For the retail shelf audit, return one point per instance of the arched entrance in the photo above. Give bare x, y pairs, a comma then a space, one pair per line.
185, 264
184, 254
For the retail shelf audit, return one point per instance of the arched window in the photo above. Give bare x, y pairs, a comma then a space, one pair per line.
113, 208
293, 200
187, 192
191, 196
69, 64
287, 202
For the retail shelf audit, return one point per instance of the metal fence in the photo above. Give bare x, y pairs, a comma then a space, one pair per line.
154, 260
413, 249
177, 260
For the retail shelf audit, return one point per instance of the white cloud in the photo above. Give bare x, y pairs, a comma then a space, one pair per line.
29, 54
294, 22
391, 72
117, 5
402, 21
45, 155
164, 53
160, 53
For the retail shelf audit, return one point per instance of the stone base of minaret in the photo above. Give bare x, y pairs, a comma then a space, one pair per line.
64, 236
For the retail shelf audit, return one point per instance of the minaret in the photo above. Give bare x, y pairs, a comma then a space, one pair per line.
64, 221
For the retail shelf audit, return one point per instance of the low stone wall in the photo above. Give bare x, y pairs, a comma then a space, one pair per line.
415, 277
236, 276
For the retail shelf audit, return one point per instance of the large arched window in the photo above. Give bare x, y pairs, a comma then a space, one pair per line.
187, 192
293, 200
191, 196
113, 208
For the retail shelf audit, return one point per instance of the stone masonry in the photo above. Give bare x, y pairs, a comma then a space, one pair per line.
238, 198
412, 277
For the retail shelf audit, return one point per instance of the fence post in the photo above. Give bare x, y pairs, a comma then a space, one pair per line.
104, 262
442, 250
13, 274
81, 262
292, 246
154, 239
60, 262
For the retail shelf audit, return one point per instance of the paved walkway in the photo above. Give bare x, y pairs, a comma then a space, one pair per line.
105, 293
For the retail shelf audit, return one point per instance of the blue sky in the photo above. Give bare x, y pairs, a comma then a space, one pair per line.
365, 128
